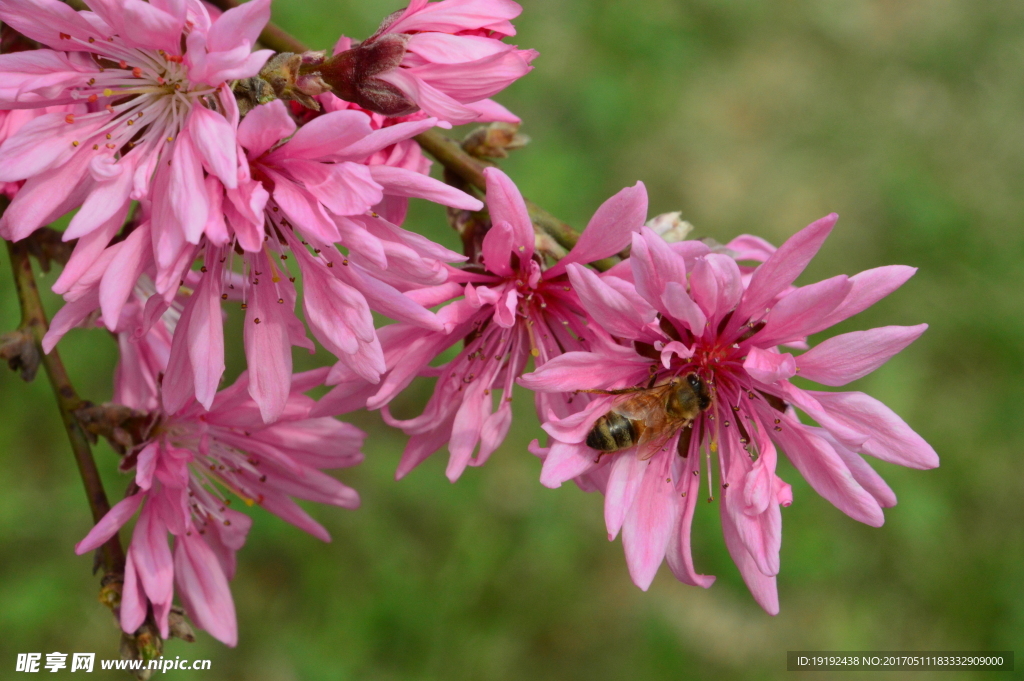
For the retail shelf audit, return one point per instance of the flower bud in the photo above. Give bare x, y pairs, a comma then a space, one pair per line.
670, 226
352, 75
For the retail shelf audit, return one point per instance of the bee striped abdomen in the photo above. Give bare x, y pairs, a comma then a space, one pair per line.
612, 432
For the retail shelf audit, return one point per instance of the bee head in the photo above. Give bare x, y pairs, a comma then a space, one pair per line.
700, 389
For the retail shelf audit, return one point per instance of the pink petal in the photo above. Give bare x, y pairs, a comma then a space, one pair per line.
769, 367
625, 473
506, 204
444, 48
432, 100
215, 139
68, 317
803, 311
494, 430
110, 523
609, 230
199, 575
863, 473
818, 462
850, 356
238, 25
498, 248
454, 16
573, 429
565, 462
178, 387
716, 285
325, 135
45, 20
654, 266
149, 27
609, 308
372, 142
304, 210
588, 371
104, 202
679, 553
187, 188
268, 352
489, 110
45, 197
869, 287
473, 81
122, 274
465, 433
152, 556
390, 302
343, 188
408, 183
647, 530
679, 305
206, 335
40, 145
889, 437
265, 126
783, 267
762, 587
87, 251
133, 599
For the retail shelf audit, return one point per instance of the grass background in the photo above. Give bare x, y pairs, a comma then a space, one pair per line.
903, 117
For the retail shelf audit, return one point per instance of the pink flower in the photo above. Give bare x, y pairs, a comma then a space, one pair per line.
511, 312
311, 186
689, 310
154, 80
190, 456
404, 153
444, 57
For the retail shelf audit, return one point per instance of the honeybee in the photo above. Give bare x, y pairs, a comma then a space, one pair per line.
650, 417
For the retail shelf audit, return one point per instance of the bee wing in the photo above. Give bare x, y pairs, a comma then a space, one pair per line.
654, 439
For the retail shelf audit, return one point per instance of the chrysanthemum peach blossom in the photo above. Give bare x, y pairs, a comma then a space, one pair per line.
445, 58
510, 312
188, 458
154, 78
703, 318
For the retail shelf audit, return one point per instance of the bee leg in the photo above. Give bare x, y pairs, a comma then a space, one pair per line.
620, 391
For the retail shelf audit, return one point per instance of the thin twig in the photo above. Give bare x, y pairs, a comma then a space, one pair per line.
33, 320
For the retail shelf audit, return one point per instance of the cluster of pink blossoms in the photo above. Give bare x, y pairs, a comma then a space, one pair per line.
186, 203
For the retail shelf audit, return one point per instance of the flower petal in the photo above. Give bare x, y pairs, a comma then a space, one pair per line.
783, 267
647, 530
850, 356
609, 230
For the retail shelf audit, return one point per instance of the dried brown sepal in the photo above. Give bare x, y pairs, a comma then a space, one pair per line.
145, 644
18, 348
123, 427
294, 77
251, 92
494, 140
179, 626
47, 246
111, 588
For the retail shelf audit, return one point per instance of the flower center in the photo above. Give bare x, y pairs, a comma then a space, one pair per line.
146, 94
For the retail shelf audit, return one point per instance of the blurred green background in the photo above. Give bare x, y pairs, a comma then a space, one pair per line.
906, 118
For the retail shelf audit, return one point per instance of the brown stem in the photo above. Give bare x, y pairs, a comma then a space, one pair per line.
33, 320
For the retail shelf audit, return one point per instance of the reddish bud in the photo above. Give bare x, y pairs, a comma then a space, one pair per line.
351, 74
